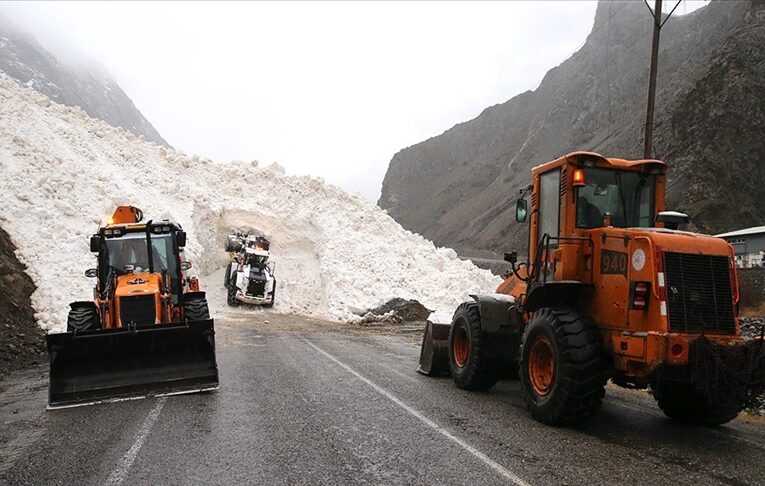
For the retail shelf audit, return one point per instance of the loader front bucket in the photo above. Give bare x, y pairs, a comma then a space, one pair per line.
434, 355
108, 364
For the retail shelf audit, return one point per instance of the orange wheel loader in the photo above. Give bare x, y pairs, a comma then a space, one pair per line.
147, 331
612, 290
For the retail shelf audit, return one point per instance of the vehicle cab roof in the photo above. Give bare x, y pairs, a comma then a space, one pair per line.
581, 157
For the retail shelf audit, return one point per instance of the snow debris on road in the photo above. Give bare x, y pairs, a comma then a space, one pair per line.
337, 255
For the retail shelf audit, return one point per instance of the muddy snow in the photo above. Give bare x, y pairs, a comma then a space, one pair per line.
336, 254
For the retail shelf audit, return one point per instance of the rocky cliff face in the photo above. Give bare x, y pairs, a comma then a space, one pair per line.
459, 188
29, 63
22, 342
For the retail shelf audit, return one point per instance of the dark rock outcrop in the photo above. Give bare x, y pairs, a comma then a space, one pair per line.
396, 311
22, 342
459, 188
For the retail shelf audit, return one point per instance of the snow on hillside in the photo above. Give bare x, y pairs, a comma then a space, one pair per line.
337, 255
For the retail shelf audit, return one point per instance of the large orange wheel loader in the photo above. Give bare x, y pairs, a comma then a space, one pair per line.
612, 290
148, 329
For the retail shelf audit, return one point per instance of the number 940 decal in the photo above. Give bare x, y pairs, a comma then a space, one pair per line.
613, 263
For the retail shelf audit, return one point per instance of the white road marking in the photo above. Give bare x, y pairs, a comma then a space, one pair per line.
475, 452
119, 473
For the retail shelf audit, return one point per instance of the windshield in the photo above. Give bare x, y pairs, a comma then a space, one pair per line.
627, 196
131, 250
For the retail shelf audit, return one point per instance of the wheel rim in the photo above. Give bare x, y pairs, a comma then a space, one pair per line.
542, 366
461, 347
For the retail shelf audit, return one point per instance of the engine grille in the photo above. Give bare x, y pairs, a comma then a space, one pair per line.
256, 287
699, 294
138, 309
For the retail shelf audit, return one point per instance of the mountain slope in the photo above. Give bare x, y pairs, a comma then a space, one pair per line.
30, 64
459, 188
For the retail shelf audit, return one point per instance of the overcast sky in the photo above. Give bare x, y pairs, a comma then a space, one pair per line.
328, 89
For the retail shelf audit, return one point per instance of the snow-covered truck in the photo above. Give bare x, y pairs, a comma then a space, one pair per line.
249, 275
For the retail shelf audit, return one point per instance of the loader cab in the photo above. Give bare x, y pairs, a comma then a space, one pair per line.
573, 197
149, 248
628, 197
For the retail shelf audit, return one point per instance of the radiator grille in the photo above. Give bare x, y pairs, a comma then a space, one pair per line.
137, 309
256, 288
699, 294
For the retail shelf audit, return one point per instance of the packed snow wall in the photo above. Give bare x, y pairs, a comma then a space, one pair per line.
337, 255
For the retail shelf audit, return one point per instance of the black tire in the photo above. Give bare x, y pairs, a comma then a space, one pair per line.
684, 403
577, 384
227, 277
476, 371
195, 309
82, 318
273, 297
231, 294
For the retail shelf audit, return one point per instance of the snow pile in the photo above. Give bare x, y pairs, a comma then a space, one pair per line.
337, 255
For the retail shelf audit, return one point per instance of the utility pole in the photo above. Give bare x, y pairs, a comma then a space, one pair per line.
647, 147
657, 25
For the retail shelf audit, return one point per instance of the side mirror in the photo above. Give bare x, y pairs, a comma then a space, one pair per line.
180, 239
672, 219
511, 257
95, 244
185, 266
521, 210
91, 273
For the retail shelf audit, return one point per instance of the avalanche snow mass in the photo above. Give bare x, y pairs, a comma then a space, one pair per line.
337, 255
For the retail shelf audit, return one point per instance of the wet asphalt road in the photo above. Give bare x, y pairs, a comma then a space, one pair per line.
297, 406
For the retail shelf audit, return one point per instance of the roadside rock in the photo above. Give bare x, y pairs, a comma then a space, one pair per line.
751, 327
396, 311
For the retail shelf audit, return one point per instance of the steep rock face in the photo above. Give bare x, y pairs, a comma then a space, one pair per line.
22, 342
30, 64
459, 188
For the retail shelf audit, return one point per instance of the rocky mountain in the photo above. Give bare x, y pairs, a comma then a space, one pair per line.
89, 87
459, 188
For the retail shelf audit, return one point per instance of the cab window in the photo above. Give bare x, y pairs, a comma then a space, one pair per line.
627, 196
549, 204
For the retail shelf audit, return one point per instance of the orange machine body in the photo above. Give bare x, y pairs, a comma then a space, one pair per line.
629, 293
163, 296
